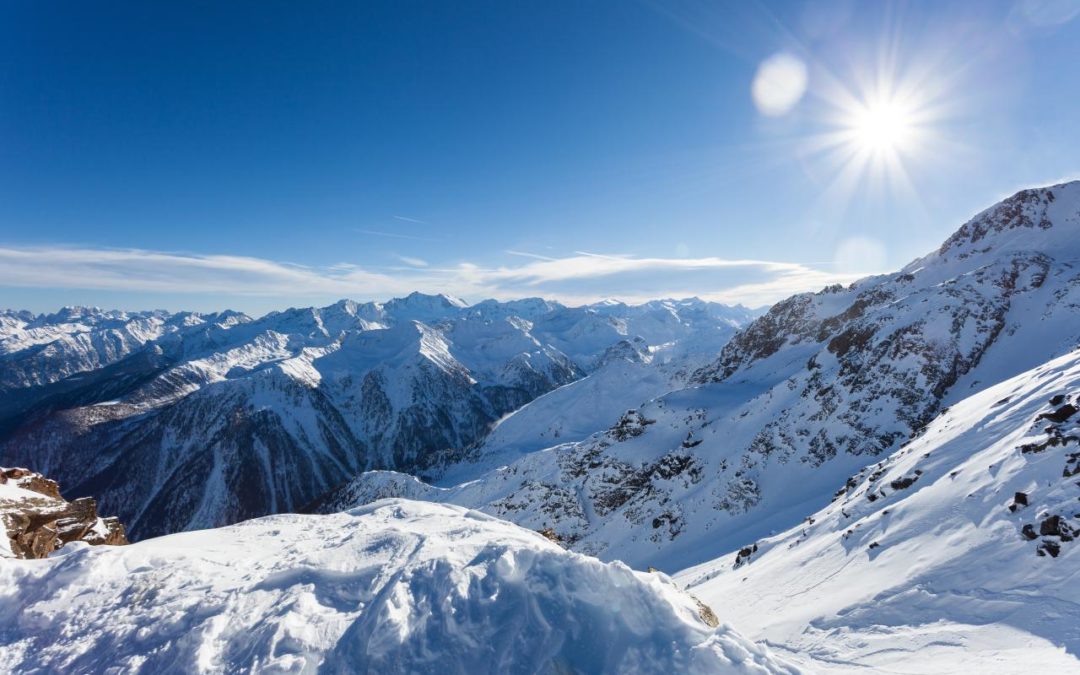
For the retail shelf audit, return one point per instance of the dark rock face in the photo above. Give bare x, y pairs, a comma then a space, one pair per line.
37, 520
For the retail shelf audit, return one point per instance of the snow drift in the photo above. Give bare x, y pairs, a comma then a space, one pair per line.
395, 586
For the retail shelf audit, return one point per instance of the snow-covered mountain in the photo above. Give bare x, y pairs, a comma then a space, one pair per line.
807, 395
957, 553
182, 421
396, 586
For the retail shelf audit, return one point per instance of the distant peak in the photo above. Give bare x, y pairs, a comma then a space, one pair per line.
418, 299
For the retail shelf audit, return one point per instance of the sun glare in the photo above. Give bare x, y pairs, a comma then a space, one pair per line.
876, 133
882, 127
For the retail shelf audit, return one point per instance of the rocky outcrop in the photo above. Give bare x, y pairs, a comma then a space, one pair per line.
36, 520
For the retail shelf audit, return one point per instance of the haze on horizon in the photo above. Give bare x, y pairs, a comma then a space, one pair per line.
254, 156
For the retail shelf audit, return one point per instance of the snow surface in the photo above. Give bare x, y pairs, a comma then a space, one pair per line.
395, 586
935, 577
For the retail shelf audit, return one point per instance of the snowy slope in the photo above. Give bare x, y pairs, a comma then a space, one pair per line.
956, 553
396, 586
809, 393
228, 418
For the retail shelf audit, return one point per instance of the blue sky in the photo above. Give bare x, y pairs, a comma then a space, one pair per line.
260, 155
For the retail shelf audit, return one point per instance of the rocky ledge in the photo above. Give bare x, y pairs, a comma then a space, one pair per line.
35, 519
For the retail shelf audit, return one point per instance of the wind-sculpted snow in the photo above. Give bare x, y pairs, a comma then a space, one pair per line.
396, 586
810, 392
958, 552
208, 420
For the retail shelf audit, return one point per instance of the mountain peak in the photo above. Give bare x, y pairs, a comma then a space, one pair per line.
1045, 219
424, 307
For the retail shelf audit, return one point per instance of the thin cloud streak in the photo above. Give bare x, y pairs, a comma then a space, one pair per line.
394, 235
413, 262
576, 279
523, 254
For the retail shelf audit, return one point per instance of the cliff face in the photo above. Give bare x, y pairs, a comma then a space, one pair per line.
35, 519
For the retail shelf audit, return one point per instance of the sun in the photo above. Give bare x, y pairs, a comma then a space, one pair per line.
875, 134
882, 127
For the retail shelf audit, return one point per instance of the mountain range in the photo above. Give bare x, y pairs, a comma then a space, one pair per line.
181, 421
879, 476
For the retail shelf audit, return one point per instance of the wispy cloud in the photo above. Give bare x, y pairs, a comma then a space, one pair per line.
414, 262
394, 235
522, 254
411, 220
581, 277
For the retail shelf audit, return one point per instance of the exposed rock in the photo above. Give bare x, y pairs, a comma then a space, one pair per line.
36, 520
904, 482
707, 614
1061, 414
744, 554
1072, 465
552, 535
1051, 547
631, 425
1055, 526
